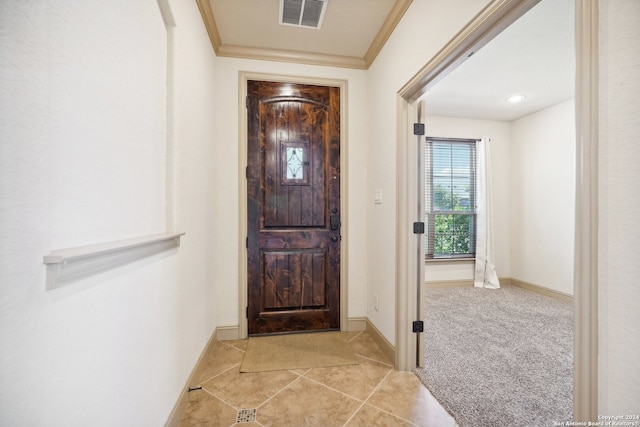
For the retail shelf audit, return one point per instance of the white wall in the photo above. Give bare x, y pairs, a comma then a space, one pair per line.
425, 28
619, 207
83, 160
543, 197
192, 116
533, 186
500, 175
227, 226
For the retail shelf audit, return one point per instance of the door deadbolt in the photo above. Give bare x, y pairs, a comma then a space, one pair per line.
334, 222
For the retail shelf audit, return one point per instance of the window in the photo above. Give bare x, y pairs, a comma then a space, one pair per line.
450, 198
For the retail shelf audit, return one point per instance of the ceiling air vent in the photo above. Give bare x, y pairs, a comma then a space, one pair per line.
302, 13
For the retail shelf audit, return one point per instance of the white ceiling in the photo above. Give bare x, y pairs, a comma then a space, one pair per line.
349, 28
535, 57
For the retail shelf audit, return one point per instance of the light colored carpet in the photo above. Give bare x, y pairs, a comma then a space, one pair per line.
297, 351
499, 357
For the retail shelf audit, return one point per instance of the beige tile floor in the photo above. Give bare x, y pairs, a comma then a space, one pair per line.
369, 394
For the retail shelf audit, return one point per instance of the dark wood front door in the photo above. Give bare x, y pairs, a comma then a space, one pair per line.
293, 182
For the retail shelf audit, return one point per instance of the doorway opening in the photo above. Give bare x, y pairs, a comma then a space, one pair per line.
497, 16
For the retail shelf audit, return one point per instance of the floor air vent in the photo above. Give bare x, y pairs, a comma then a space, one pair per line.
302, 13
246, 415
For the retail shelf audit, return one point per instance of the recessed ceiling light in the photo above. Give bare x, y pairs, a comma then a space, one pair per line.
515, 99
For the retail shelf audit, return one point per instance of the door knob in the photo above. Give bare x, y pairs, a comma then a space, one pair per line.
334, 238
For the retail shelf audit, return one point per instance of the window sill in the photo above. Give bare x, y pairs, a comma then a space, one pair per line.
65, 265
438, 260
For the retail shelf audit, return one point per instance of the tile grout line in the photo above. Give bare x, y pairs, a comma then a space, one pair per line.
374, 360
377, 408
279, 391
231, 346
216, 396
212, 394
384, 410
355, 336
332, 389
219, 373
392, 414
367, 398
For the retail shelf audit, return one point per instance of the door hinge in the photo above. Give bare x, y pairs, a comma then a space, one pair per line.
246, 242
418, 228
247, 312
246, 101
246, 172
418, 129
418, 326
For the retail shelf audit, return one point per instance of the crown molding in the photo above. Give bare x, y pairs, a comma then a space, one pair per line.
394, 17
298, 57
210, 24
280, 55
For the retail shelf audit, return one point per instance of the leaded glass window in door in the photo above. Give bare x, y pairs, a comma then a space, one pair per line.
294, 163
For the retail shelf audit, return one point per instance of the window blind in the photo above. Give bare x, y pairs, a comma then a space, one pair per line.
450, 197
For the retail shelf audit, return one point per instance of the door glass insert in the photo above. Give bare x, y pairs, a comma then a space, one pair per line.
294, 163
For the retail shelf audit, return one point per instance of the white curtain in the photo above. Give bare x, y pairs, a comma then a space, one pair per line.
485, 275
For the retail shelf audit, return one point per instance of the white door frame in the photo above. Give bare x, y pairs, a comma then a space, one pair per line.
244, 77
494, 18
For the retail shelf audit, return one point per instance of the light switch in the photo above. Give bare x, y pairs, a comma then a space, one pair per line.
377, 196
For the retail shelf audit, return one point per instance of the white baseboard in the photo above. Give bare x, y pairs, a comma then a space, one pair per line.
542, 290
357, 324
449, 284
228, 333
183, 399
387, 348
504, 281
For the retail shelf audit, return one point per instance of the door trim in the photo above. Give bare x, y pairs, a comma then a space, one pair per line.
244, 77
494, 18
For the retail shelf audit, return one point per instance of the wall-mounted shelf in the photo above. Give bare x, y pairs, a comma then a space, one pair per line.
65, 265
